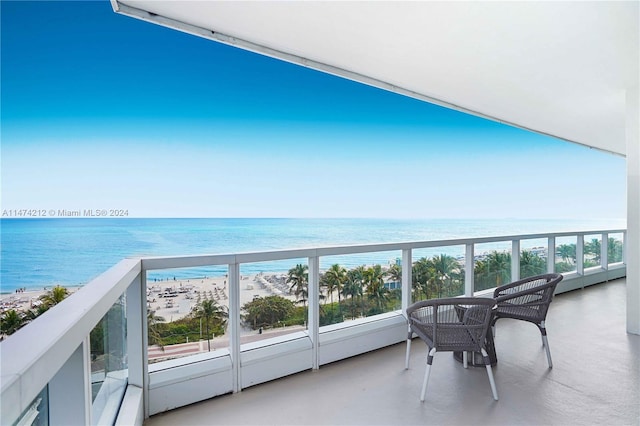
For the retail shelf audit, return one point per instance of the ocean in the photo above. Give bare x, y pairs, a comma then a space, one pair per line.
38, 253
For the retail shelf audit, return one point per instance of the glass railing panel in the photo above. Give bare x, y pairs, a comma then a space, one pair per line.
274, 299
565, 252
359, 285
37, 413
492, 265
187, 311
533, 257
592, 250
615, 248
109, 373
437, 272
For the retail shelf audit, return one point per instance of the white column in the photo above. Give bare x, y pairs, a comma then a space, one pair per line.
137, 340
314, 309
633, 210
604, 252
70, 390
234, 324
580, 255
551, 255
515, 260
468, 270
406, 279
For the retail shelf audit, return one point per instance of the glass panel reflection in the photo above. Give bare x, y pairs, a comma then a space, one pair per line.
614, 248
437, 272
187, 311
565, 252
274, 299
109, 373
492, 265
37, 413
592, 250
533, 257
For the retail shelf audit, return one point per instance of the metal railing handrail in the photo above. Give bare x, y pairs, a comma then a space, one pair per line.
168, 262
34, 354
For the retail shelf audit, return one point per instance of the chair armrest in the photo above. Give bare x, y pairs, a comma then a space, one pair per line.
509, 296
551, 280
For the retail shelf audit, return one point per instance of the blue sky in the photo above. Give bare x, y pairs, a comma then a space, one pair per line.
102, 111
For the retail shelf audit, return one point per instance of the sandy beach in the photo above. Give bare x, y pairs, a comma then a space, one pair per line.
25, 300
173, 299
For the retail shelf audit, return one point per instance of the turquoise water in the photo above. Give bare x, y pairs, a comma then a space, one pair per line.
36, 253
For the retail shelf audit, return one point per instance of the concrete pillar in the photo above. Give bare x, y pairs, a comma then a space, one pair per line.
70, 392
406, 279
314, 309
633, 211
515, 260
469, 285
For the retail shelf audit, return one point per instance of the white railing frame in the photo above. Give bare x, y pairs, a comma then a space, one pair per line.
35, 354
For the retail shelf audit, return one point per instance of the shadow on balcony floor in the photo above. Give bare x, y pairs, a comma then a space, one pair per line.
595, 379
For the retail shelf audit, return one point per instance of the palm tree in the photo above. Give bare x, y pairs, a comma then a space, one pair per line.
500, 267
593, 247
334, 279
208, 309
153, 320
614, 250
298, 278
531, 264
353, 287
376, 291
494, 270
445, 267
54, 296
567, 252
11, 321
394, 273
421, 275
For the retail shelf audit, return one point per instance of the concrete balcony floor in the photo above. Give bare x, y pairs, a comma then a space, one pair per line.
595, 379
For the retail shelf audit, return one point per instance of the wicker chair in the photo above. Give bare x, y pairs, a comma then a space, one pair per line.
528, 300
451, 324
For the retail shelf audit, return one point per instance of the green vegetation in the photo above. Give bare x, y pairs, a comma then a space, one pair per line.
13, 320
358, 292
265, 312
439, 276
205, 320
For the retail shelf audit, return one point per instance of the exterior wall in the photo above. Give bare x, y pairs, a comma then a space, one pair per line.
633, 211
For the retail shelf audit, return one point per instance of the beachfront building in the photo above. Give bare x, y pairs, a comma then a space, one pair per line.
568, 70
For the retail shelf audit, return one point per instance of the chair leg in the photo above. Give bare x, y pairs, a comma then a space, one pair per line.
492, 382
425, 382
465, 358
409, 336
545, 343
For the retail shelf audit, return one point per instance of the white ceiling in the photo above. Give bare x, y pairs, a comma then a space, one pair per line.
560, 68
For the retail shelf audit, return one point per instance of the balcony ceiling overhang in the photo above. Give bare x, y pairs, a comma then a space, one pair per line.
558, 68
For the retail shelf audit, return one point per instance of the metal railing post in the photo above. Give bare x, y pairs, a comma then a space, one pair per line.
551, 255
234, 325
468, 270
406, 279
314, 310
515, 260
604, 252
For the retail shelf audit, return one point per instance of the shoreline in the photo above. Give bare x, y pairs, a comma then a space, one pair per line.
175, 298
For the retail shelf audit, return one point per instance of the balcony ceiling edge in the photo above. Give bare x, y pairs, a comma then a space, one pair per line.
560, 68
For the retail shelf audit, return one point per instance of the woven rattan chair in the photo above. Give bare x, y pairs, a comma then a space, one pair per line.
528, 300
451, 324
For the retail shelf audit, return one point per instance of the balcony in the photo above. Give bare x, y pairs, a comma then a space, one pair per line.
354, 364
594, 380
